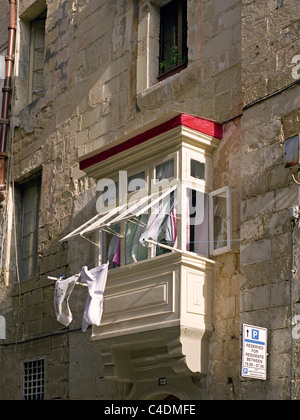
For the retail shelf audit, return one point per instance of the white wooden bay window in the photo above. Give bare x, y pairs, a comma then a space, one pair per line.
171, 209
159, 224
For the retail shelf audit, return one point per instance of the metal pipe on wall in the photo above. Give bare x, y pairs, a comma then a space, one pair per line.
7, 90
293, 226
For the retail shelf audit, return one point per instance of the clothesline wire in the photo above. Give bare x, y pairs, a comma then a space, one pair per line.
74, 274
191, 242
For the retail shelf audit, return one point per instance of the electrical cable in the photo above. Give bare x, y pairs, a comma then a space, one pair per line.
41, 337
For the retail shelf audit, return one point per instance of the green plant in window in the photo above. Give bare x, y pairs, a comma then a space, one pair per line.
175, 60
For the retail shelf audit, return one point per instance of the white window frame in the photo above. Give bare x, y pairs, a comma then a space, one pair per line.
227, 191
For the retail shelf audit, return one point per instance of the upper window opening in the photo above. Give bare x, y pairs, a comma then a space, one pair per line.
173, 49
37, 52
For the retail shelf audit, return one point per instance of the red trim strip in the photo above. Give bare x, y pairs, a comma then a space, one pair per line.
208, 127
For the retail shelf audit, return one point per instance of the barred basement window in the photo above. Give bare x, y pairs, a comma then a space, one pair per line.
33, 380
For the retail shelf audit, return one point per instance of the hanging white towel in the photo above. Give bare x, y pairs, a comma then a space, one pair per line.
155, 222
63, 290
96, 281
161, 217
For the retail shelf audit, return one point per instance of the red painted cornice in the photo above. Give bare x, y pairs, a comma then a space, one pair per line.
208, 127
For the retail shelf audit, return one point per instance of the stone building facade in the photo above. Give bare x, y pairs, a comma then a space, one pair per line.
97, 88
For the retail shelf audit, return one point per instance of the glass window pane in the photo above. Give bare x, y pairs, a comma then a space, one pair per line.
197, 169
164, 170
29, 223
134, 250
30, 197
28, 245
197, 222
111, 246
136, 182
220, 221
38, 51
162, 223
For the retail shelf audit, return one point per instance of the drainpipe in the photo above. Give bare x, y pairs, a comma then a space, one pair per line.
294, 216
6, 93
293, 225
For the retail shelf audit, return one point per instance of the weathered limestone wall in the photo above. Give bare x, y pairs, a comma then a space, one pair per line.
91, 99
270, 38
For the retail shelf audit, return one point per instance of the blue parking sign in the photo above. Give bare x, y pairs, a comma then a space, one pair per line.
254, 352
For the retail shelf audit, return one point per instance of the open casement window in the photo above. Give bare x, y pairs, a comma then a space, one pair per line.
197, 221
220, 221
208, 221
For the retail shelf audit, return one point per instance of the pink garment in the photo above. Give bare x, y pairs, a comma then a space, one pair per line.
174, 226
188, 229
117, 257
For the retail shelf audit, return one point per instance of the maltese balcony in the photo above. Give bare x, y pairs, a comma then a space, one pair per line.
157, 316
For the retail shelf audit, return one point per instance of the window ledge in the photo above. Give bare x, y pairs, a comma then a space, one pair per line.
168, 258
172, 71
187, 74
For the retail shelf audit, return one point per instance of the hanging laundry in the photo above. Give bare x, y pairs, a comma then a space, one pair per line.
62, 292
96, 281
114, 249
171, 228
133, 248
117, 255
162, 222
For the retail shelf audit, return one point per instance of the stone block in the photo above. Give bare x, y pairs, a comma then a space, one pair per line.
256, 252
258, 206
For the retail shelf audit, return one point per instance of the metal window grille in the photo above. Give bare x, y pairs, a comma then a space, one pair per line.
33, 380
